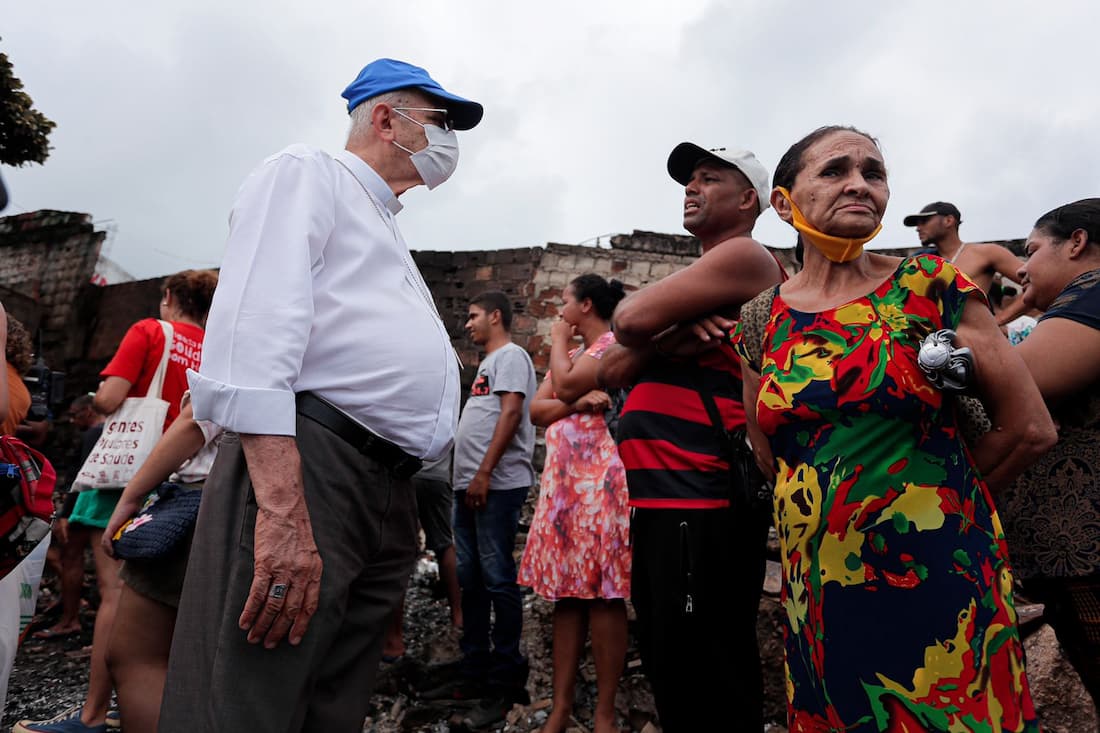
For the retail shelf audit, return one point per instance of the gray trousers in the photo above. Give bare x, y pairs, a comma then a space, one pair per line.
365, 527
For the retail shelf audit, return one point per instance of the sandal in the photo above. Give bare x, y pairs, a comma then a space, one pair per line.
50, 634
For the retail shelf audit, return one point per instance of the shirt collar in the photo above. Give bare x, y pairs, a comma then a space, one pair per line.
370, 180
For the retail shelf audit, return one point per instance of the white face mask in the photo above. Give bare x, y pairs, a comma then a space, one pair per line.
438, 160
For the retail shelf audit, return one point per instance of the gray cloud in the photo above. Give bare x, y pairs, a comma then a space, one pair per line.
162, 111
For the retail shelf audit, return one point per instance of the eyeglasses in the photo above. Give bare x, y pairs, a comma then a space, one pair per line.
446, 124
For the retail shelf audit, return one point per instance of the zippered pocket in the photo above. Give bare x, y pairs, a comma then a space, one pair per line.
686, 568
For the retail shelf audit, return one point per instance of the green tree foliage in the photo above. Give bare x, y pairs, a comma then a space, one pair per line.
24, 131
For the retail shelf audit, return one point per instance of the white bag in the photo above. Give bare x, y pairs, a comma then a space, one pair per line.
18, 596
129, 434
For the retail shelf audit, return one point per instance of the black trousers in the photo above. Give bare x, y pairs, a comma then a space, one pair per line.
364, 524
695, 585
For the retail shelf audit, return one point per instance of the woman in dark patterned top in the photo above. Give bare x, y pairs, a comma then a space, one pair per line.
1052, 514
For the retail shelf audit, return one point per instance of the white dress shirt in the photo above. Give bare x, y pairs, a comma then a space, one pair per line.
318, 292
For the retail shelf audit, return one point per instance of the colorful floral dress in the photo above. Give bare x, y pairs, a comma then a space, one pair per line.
579, 543
897, 586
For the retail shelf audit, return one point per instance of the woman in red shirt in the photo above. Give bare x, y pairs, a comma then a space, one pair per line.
185, 301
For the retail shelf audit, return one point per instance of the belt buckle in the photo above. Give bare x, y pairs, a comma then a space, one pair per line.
406, 467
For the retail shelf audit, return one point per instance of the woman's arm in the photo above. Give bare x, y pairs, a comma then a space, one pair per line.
1063, 356
180, 441
726, 276
571, 379
621, 367
547, 409
112, 391
1022, 426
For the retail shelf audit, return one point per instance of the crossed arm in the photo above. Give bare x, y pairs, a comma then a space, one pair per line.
726, 276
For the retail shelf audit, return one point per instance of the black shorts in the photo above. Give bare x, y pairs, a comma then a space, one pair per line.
434, 500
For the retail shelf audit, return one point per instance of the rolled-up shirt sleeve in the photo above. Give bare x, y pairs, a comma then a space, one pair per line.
259, 322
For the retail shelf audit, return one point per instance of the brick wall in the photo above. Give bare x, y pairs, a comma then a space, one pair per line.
456, 277
49, 256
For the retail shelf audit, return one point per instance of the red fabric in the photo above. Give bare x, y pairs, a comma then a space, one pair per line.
682, 403
680, 503
139, 355
665, 455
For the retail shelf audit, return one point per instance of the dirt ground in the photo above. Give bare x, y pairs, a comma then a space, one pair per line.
50, 676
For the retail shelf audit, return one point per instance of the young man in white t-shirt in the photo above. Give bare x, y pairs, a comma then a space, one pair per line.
492, 476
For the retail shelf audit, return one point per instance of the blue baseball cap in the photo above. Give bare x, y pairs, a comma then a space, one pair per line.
388, 75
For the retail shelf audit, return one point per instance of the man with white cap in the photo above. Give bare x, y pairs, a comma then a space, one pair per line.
937, 226
698, 543
328, 366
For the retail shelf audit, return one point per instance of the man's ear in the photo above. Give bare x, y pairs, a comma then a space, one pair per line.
381, 119
494, 317
782, 206
750, 200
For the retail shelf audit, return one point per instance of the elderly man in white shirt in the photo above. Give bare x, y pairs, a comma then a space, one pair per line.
330, 369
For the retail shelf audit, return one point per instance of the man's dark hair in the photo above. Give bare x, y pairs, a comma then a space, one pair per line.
495, 300
1062, 222
604, 295
791, 164
82, 402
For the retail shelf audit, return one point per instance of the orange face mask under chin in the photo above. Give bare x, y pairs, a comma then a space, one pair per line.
837, 249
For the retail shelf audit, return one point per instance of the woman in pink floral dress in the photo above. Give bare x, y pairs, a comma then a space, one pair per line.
578, 549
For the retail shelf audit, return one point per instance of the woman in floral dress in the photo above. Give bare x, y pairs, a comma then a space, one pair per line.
578, 551
897, 586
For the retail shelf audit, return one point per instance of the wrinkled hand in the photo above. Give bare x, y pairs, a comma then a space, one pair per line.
595, 401
284, 555
560, 330
477, 493
124, 510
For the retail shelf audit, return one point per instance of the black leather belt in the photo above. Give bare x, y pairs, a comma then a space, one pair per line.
399, 463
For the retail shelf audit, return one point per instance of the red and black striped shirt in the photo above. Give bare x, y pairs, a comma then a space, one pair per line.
673, 455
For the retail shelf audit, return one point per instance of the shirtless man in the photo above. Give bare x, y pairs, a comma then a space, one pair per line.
938, 226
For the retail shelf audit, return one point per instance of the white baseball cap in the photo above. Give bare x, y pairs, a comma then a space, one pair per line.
685, 157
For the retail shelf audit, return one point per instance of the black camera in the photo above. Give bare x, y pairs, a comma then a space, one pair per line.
47, 390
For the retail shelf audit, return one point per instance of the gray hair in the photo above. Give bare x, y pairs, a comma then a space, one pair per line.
361, 115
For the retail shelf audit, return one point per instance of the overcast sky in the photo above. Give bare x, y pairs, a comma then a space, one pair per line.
163, 108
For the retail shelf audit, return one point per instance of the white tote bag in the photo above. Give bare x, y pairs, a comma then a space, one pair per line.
129, 434
18, 596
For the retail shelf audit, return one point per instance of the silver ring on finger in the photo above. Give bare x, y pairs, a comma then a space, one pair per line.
278, 590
